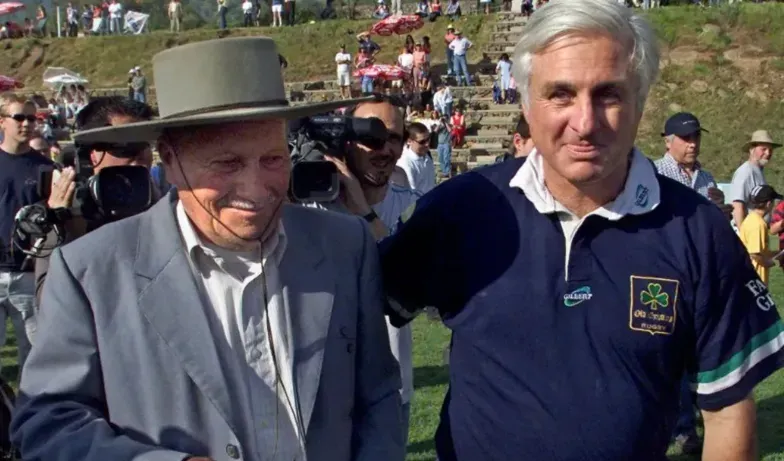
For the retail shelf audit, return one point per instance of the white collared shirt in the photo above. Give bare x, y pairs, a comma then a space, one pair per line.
420, 170
640, 195
232, 283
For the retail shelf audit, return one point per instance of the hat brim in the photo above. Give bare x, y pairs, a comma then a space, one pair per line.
748, 145
685, 134
152, 129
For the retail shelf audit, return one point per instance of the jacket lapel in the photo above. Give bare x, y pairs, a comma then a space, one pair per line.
170, 300
308, 287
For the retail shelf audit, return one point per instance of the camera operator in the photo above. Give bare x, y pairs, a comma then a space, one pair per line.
99, 112
366, 190
19, 166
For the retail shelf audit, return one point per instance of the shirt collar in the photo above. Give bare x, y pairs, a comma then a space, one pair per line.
274, 247
640, 194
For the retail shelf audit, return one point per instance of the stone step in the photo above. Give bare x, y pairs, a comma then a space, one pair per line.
496, 121
518, 21
468, 92
510, 16
503, 46
477, 115
506, 27
496, 55
486, 142
472, 153
490, 133
512, 37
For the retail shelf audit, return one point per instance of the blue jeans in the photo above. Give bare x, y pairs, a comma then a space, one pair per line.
686, 420
17, 302
461, 69
445, 158
222, 18
139, 96
114, 26
367, 85
450, 57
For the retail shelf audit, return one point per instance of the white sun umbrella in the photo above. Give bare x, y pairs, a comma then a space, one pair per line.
56, 77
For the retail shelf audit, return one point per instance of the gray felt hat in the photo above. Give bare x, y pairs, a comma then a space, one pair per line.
214, 81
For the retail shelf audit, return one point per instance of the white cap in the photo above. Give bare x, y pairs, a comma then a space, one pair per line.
131, 71
137, 68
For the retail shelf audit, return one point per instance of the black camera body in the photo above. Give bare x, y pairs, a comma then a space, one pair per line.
113, 193
314, 179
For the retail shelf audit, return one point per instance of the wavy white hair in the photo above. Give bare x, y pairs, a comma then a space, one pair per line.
567, 18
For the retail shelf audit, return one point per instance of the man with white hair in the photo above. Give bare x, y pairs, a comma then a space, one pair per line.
583, 284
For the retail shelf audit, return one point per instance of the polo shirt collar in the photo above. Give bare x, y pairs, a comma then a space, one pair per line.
640, 194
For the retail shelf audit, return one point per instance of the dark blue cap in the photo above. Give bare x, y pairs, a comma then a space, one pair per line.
682, 124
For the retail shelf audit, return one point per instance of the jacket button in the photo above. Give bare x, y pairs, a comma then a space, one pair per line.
233, 451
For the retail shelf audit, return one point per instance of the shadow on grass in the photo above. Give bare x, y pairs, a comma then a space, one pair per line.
425, 446
430, 375
769, 427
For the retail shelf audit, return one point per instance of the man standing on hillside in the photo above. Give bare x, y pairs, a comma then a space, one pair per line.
459, 47
750, 174
583, 286
139, 85
343, 61
115, 17
175, 15
450, 55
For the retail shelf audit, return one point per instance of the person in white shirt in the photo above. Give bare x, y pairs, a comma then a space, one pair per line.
175, 15
443, 102
115, 17
460, 46
343, 61
416, 160
406, 62
247, 13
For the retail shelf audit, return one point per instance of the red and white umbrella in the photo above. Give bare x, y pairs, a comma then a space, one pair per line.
399, 25
383, 71
10, 7
9, 84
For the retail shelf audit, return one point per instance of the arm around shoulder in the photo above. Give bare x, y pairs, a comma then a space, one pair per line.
378, 432
59, 413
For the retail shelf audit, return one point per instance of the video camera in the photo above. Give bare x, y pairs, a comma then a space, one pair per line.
312, 177
113, 193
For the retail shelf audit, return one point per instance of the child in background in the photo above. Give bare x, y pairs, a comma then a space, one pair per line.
754, 230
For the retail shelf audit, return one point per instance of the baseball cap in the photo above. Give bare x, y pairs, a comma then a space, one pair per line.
763, 194
682, 124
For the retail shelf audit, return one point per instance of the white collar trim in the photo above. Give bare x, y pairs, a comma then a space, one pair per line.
640, 194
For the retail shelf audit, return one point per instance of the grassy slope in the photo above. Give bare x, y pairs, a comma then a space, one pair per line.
309, 48
724, 109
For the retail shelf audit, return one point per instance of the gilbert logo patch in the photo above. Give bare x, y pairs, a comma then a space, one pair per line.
577, 296
653, 307
641, 196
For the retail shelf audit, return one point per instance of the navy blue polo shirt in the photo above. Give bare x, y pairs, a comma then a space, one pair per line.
577, 352
19, 180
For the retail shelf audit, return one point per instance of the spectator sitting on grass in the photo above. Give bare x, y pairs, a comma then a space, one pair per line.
381, 11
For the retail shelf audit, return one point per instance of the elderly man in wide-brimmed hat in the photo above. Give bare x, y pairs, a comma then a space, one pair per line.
223, 323
750, 174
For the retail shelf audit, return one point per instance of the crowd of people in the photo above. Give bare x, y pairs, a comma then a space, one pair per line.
590, 291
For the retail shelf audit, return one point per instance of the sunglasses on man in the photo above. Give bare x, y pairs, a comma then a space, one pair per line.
22, 117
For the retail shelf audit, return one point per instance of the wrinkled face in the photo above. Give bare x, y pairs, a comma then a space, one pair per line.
18, 121
139, 155
232, 179
374, 166
583, 110
762, 153
686, 149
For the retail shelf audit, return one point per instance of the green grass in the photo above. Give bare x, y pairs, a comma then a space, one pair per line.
309, 48
431, 377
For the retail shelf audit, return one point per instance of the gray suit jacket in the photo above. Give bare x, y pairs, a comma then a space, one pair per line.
125, 368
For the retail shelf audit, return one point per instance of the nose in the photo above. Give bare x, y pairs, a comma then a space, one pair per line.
584, 116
